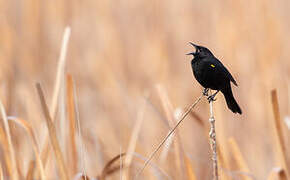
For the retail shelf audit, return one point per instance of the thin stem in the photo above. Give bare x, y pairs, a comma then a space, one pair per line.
213, 144
168, 135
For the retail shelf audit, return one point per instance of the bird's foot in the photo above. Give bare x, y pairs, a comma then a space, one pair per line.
205, 91
211, 98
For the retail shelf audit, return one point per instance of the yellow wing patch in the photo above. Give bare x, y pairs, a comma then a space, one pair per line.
212, 65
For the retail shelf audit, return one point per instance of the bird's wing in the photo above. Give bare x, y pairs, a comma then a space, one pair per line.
232, 79
225, 71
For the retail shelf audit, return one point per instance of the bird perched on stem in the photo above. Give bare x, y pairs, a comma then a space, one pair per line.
212, 74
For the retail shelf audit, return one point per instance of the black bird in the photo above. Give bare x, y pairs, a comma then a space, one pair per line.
211, 73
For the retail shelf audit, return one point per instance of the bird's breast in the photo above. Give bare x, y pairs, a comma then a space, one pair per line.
198, 70
204, 73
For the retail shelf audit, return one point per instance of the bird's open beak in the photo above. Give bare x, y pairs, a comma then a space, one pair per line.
192, 53
193, 45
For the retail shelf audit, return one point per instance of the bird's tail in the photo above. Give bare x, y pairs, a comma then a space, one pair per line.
231, 102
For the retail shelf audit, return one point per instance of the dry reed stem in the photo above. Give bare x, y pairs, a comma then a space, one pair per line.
60, 70
221, 159
213, 144
20, 171
1, 173
166, 137
30, 172
133, 139
72, 122
81, 146
27, 127
166, 149
159, 171
14, 174
81, 176
121, 163
168, 109
58, 81
52, 135
222, 162
277, 174
242, 165
3, 141
199, 121
63, 121
282, 175
189, 169
107, 170
279, 134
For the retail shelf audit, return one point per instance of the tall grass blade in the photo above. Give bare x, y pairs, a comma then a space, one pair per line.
167, 136
239, 159
28, 129
52, 135
11, 149
72, 123
283, 155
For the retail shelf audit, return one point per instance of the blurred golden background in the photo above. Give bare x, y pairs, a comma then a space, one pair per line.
129, 68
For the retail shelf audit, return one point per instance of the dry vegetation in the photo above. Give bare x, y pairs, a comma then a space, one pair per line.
126, 79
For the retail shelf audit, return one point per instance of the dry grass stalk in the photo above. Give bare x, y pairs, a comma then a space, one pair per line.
222, 162
30, 172
133, 140
198, 119
27, 127
58, 82
167, 136
81, 146
121, 163
189, 169
81, 176
11, 150
178, 150
239, 159
72, 123
3, 141
277, 174
1, 173
279, 134
213, 144
166, 149
282, 175
20, 170
108, 169
52, 135
60, 70
221, 159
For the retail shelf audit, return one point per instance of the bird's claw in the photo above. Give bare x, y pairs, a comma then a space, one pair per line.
211, 98
205, 92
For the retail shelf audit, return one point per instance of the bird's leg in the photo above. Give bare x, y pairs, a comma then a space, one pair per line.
205, 91
211, 97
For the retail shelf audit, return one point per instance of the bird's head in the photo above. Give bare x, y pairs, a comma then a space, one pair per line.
200, 51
